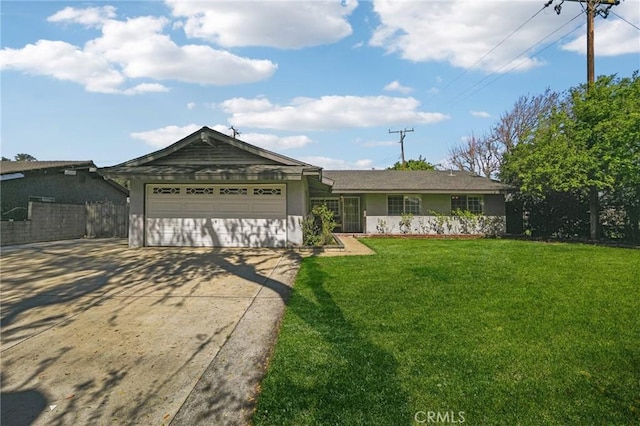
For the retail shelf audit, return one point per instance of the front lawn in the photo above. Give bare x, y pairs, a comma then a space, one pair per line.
475, 332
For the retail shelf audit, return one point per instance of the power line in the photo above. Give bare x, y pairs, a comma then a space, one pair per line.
498, 45
461, 96
519, 64
630, 23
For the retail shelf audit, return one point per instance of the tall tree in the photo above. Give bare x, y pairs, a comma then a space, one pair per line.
477, 155
413, 164
25, 157
591, 141
484, 155
518, 124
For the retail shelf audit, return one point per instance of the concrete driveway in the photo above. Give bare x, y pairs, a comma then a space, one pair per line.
96, 333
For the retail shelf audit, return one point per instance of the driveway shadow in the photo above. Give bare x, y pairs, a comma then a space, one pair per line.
22, 407
106, 304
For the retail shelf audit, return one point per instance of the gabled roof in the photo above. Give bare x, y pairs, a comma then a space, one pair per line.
418, 182
208, 154
7, 167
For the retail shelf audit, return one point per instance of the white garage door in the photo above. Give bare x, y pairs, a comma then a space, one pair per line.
203, 215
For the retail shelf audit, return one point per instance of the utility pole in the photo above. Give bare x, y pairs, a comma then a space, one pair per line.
601, 7
403, 133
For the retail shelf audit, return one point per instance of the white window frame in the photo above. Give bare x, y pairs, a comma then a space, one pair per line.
466, 203
317, 201
405, 198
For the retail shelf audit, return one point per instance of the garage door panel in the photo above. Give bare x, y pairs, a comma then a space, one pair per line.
216, 232
210, 215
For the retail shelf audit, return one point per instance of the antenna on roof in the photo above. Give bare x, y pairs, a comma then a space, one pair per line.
403, 133
235, 131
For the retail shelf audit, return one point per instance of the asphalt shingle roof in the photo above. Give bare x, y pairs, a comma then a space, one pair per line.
410, 181
26, 166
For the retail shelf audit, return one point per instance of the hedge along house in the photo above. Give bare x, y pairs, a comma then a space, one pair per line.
212, 190
416, 202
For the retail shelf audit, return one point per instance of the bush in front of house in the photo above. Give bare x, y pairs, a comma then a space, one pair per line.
318, 226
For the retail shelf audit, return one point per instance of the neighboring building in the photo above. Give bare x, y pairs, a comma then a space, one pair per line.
210, 189
66, 182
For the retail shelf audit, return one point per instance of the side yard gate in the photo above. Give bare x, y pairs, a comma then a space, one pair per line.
107, 220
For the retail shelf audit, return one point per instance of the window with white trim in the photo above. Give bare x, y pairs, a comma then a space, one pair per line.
399, 204
332, 204
470, 203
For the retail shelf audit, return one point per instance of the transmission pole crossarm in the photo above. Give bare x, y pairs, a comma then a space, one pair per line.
403, 133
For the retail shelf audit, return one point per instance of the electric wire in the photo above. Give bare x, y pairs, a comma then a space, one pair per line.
497, 45
630, 23
462, 96
519, 64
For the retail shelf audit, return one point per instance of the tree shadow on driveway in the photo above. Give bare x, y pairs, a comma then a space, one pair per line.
108, 334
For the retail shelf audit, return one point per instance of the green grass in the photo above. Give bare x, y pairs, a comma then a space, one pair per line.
507, 332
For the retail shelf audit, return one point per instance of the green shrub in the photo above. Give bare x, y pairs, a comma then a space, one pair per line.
318, 226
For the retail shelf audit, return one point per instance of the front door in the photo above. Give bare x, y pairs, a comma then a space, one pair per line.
351, 221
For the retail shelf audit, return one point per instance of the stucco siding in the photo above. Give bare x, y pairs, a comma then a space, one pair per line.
297, 196
376, 204
439, 203
136, 213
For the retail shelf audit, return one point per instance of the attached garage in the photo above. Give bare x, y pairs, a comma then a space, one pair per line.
205, 215
212, 190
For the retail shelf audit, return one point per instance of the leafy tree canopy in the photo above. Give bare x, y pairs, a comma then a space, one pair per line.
21, 157
591, 139
413, 164
590, 142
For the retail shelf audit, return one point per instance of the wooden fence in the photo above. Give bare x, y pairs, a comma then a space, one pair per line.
107, 220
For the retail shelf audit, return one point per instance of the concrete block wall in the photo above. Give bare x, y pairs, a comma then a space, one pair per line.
47, 222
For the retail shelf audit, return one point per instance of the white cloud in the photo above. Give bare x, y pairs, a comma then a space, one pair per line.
145, 88
132, 49
191, 105
613, 35
480, 114
328, 113
165, 136
89, 17
461, 32
138, 46
64, 61
275, 143
338, 164
288, 24
395, 86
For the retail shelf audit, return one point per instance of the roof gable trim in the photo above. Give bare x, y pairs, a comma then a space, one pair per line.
205, 134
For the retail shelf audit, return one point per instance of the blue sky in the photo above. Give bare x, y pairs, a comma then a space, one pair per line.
319, 81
